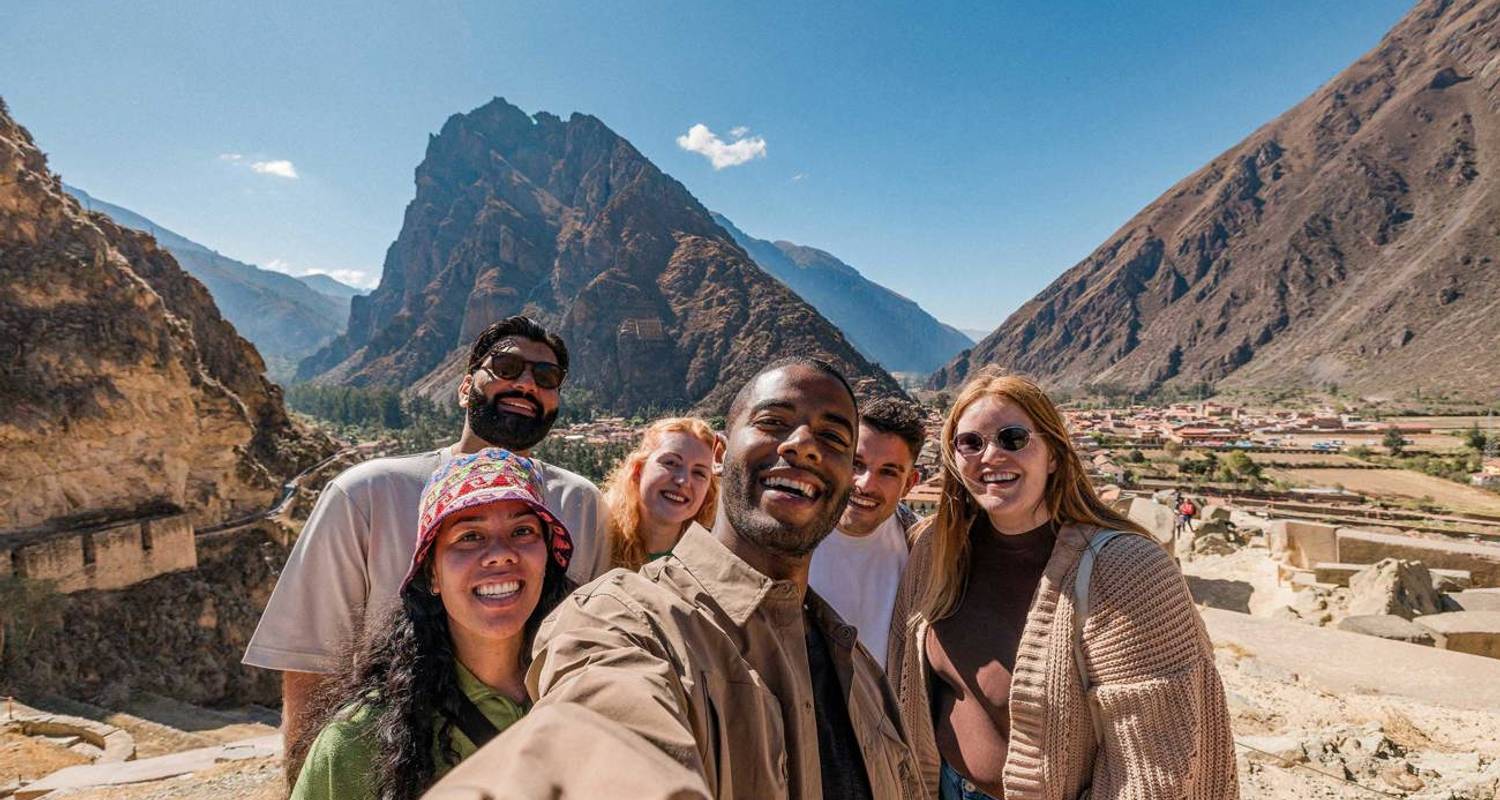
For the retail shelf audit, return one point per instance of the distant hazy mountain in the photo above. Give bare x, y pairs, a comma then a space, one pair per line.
974, 334
332, 287
285, 318
884, 326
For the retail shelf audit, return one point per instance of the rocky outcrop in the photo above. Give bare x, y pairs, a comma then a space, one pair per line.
887, 328
179, 635
566, 221
1350, 241
123, 387
284, 317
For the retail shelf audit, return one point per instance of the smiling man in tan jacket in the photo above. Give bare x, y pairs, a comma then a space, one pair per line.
715, 672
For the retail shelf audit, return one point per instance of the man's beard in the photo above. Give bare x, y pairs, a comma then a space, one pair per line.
760, 528
503, 429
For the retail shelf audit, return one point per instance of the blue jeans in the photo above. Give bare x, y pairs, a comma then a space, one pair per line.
953, 786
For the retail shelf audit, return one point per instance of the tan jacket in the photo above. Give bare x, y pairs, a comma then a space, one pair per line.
1166, 728
701, 658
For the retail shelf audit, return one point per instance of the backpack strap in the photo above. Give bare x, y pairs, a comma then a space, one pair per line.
473, 722
1081, 616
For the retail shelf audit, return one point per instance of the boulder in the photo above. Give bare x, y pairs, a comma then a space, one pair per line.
1302, 544
1393, 586
1473, 632
1209, 527
1215, 513
1214, 544
1154, 517
1388, 626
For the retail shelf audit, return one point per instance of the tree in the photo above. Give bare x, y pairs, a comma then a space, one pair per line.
1476, 439
1394, 441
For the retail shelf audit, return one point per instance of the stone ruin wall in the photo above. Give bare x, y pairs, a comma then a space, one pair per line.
107, 557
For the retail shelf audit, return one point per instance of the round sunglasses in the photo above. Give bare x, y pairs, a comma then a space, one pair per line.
509, 366
1012, 438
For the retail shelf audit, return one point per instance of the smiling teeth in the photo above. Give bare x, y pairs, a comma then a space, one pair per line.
796, 487
999, 477
862, 502
674, 497
498, 589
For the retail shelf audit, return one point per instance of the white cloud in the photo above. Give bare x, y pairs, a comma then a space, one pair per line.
699, 139
280, 168
738, 132
278, 265
230, 157
799, 177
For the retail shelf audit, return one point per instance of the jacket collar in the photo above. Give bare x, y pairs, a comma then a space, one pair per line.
737, 588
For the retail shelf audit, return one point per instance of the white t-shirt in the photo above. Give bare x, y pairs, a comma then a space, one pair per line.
357, 546
859, 576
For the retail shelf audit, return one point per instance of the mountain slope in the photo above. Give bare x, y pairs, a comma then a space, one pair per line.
281, 315
886, 327
567, 221
1351, 241
122, 385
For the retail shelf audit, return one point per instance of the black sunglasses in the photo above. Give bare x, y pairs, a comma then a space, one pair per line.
509, 366
1010, 439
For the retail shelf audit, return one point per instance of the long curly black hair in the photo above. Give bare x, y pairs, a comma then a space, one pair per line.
403, 671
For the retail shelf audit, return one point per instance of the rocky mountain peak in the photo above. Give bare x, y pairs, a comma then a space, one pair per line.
567, 221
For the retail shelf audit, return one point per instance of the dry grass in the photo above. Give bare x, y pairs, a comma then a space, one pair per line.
29, 758
1396, 484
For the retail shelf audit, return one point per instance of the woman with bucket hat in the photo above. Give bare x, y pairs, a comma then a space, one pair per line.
446, 672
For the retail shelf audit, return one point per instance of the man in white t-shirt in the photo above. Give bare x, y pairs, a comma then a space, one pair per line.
857, 569
348, 563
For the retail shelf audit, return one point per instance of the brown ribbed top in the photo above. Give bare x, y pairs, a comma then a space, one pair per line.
973, 650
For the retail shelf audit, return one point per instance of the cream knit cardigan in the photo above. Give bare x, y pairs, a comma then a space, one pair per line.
1166, 729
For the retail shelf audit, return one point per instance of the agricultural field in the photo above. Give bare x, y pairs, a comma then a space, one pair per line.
1432, 442
1305, 459
1395, 485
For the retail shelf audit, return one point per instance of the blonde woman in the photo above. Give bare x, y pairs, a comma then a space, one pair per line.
663, 486
984, 655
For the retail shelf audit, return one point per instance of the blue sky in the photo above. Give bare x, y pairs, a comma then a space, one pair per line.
961, 154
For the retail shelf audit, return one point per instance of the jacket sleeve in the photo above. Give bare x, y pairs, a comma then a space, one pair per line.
564, 750
610, 711
1166, 727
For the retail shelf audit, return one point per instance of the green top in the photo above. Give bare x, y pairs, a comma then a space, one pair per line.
662, 554
341, 762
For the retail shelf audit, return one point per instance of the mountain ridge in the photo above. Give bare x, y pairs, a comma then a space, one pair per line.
285, 318
887, 327
124, 387
1348, 242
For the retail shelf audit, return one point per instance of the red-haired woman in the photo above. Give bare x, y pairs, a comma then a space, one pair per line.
664, 485
1018, 679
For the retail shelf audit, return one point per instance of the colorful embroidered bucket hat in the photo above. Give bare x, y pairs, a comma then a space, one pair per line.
490, 475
